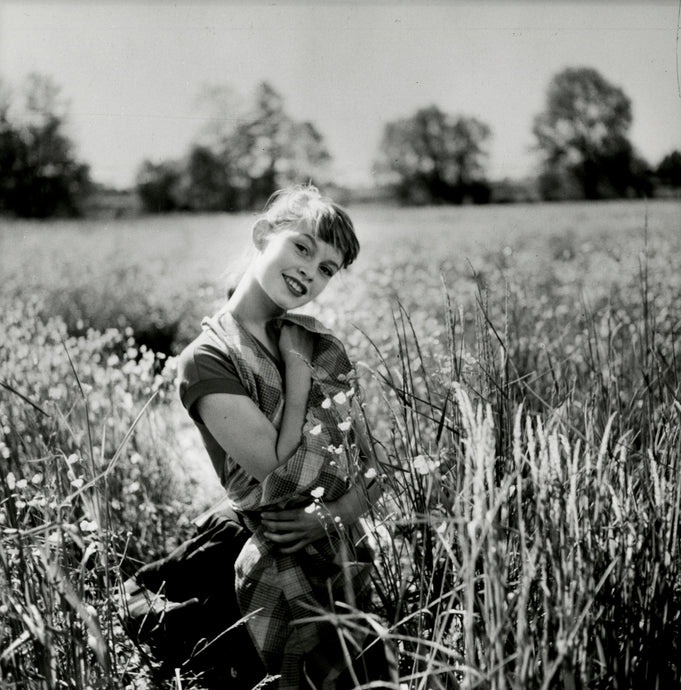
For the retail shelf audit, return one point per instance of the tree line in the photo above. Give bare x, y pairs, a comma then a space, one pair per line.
246, 151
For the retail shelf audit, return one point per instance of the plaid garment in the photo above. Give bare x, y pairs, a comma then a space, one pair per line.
277, 589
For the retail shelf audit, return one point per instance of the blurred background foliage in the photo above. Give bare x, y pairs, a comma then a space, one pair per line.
248, 148
40, 175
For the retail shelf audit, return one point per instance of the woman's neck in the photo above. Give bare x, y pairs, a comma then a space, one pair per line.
251, 306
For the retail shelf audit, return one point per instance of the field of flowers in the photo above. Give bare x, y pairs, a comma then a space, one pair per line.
518, 363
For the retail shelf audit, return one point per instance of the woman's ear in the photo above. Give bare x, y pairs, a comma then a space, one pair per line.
261, 231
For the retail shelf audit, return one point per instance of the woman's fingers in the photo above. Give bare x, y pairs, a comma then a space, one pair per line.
284, 525
281, 515
288, 543
284, 537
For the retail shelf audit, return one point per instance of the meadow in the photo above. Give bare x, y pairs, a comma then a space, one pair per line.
518, 363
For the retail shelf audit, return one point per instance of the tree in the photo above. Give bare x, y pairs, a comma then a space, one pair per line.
269, 150
205, 183
39, 173
241, 156
582, 134
435, 157
157, 186
669, 169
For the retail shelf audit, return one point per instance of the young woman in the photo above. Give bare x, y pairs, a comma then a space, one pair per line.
271, 395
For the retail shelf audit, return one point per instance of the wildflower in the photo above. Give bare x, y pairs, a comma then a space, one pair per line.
318, 492
371, 473
345, 426
326, 404
92, 611
11, 481
22, 484
423, 465
316, 430
88, 525
77, 482
340, 398
37, 478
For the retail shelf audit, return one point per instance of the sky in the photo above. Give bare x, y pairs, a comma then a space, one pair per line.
133, 71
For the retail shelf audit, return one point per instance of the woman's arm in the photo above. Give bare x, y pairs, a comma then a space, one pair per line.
244, 432
294, 529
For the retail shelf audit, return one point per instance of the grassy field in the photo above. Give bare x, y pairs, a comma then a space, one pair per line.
518, 362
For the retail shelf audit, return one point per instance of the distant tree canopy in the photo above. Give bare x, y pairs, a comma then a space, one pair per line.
434, 157
40, 175
582, 135
241, 157
669, 169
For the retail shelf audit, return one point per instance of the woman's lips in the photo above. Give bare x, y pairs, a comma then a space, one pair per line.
295, 286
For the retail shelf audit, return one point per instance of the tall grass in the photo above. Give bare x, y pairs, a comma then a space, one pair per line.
87, 494
535, 518
530, 529
531, 549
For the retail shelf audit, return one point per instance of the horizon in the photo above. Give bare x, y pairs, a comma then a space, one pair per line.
133, 72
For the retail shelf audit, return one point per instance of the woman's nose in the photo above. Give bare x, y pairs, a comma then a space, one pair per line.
304, 273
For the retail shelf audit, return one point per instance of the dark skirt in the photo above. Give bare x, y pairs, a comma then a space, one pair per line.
183, 608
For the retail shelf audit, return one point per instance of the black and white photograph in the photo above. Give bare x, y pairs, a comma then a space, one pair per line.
340, 344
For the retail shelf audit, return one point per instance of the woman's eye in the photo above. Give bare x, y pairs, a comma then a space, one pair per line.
302, 248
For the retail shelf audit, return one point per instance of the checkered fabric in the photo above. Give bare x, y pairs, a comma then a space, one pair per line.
276, 590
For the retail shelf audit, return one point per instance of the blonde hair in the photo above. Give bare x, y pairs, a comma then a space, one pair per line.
327, 220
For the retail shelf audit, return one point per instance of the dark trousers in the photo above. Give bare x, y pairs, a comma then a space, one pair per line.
183, 605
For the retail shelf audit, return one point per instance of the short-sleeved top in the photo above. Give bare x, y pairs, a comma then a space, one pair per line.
205, 367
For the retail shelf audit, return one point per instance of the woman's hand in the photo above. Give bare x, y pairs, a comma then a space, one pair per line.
292, 530
295, 345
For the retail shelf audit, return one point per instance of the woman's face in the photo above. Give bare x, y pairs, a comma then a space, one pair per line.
293, 267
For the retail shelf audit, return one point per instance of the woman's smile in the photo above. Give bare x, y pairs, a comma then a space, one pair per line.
295, 286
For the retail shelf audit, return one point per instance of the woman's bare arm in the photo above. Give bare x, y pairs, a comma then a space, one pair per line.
241, 428
293, 529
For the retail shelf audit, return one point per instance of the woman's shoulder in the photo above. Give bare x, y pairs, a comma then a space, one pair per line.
205, 349
308, 322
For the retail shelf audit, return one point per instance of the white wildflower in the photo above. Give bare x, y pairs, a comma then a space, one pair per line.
88, 525
423, 465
